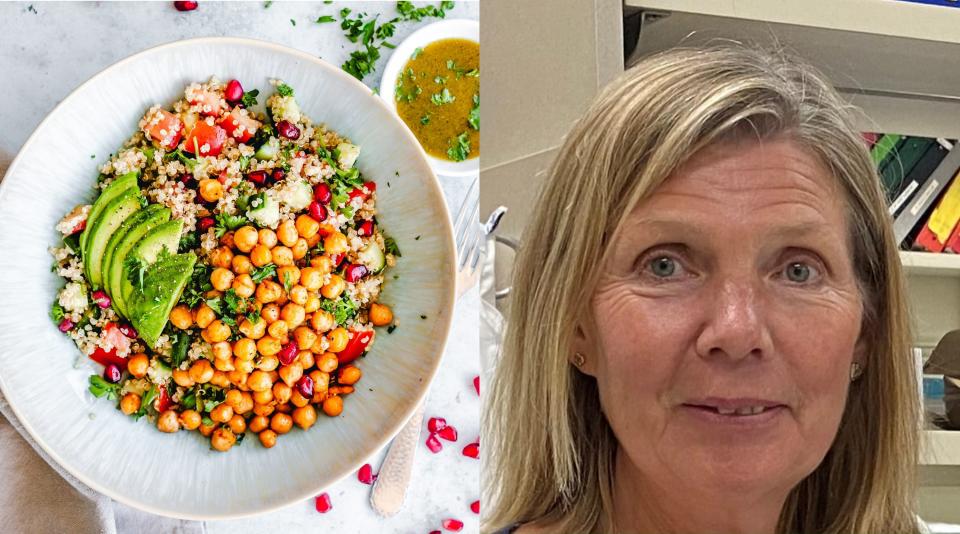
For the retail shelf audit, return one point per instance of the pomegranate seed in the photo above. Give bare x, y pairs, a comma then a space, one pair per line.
111, 373
65, 325
288, 353
101, 299
476, 383
205, 224
277, 174
323, 503
472, 450
452, 525
475, 507
257, 177
337, 259
366, 228
322, 193
366, 475
448, 433
355, 272
317, 211
434, 444
128, 331
305, 386
371, 186
435, 532
288, 129
234, 92
81, 226
436, 424
185, 6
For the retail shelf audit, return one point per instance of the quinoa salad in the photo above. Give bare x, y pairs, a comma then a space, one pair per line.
226, 277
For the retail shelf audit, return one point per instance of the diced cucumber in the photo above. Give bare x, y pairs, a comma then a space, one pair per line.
348, 155
266, 213
268, 150
372, 257
297, 195
285, 108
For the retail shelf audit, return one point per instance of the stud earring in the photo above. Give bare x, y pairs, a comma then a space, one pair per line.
578, 359
855, 371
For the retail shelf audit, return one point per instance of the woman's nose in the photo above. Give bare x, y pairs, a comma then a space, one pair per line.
735, 327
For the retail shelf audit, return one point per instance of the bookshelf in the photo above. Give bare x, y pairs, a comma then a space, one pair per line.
899, 62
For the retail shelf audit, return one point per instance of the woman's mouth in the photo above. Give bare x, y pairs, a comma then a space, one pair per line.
738, 411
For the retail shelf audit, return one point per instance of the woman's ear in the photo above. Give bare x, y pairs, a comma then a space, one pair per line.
583, 355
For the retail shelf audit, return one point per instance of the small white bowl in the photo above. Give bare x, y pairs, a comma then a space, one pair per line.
445, 29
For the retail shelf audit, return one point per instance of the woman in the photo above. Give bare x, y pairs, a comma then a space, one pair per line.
708, 330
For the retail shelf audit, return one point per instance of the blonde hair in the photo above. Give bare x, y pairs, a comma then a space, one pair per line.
550, 450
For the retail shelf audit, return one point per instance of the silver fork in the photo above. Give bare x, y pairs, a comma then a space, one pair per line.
386, 498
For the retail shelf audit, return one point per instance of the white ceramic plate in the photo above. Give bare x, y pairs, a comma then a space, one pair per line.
445, 29
177, 474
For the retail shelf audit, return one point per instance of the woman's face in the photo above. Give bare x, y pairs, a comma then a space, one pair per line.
727, 320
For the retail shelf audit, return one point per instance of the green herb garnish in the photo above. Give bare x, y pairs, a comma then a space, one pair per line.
259, 274
474, 118
459, 147
390, 246
325, 19
250, 98
443, 97
284, 90
226, 222
100, 388
342, 309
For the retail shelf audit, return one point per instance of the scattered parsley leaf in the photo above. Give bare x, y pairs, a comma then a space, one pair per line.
250, 98
284, 90
226, 222
259, 274
135, 268
342, 309
425, 119
267, 4
391, 246
416, 53
146, 403
100, 388
459, 147
56, 312
287, 281
181, 344
424, 317
391, 328
325, 19
293, 22
443, 97
474, 118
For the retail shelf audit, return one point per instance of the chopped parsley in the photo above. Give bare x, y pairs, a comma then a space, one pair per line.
443, 97
198, 285
293, 22
56, 312
284, 90
267, 4
474, 118
342, 309
391, 246
425, 119
325, 19
135, 268
459, 147
391, 328
181, 344
101, 388
250, 98
226, 222
416, 53
259, 274
147, 401
287, 281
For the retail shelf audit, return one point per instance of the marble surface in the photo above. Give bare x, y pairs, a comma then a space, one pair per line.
49, 48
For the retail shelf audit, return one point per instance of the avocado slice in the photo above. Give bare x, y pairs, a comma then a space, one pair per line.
162, 285
140, 224
117, 211
163, 236
112, 191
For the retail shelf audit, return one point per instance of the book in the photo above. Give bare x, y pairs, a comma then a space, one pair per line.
882, 148
918, 176
901, 162
918, 205
953, 242
935, 232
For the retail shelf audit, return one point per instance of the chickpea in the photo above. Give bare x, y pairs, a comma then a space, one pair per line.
328, 362
270, 313
258, 423
312, 241
285, 408
263, 397
245, 348
227, 240
232, 398
201, 371
307, 226
221, 364
287, 233
282, 255
263, 409
260, 256
312, 304
243, 285
237, 424
300, 249
138, 364
203, 315
268, 346
298, 294
221, 257
322, 263
298, 400
305, 337
241, 264
338, 339
291, 373
311, 278
268, 363
222, 350
268, 291
349, 375
288, 274
305, 416
340, 390
282, 392
321, 381
221, 413
335, 243
218, 331
246, 403
333, 406
244, 366
181, 317
221, 279
327, 229
380, 314
168, 422
322, 321
281, 423
334, 287
212, 294
279, 330
259, 381
130, 403
268, 438
207, 430
305, 357
190, 419
182, 378
267, 237
293, 314
220, 379
253, 331
245, 238
211, 190
282, 300
222, 439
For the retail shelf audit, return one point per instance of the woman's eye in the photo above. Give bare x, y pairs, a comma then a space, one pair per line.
800, 272
663, 267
